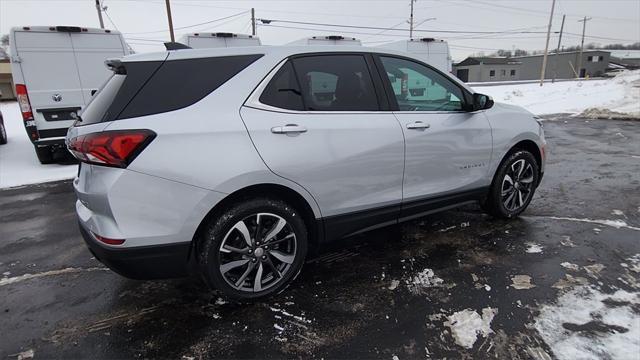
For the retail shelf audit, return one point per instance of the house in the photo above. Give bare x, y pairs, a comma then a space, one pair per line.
6, 80
482, 69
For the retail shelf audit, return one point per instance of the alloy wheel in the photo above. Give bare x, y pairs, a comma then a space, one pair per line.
517, 185
257, 252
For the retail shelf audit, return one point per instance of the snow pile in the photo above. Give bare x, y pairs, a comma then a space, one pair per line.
18, 162
618, 97
467, 324
587, 324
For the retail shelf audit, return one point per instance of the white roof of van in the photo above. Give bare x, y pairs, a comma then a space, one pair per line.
52, 28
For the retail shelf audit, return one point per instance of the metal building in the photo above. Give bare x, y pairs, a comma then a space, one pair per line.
482, 69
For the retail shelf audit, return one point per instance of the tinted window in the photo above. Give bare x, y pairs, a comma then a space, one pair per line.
420, 88
283, 90
118, 91
180, 83
336, 83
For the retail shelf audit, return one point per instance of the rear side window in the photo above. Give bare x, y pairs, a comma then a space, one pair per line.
147, 88
181, 83
336, 83
283, 90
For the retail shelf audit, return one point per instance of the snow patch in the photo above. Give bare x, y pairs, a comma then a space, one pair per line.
534, 248
613, 223
570, 266
423, 280
16, 279
467, 324
18, 162
585, 323
521, 282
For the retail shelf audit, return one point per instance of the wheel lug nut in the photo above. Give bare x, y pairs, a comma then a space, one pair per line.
264, 257
254, 260
250, 251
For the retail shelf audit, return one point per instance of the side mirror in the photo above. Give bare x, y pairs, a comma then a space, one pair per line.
481, 102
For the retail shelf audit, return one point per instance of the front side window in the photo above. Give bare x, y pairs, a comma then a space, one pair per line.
336, 83
420, 88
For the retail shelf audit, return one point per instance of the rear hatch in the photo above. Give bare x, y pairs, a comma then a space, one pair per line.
61, 68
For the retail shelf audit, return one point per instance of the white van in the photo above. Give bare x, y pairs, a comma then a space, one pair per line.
57, 70
218, 40
434, 52
327, 40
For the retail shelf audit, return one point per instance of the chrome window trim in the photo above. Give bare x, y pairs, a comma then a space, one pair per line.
253, 101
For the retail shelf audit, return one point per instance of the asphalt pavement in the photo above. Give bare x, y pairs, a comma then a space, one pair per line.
564, 277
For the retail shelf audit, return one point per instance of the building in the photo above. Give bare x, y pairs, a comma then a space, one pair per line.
565, 65
6, 80
628, 59
561, 66
482, 69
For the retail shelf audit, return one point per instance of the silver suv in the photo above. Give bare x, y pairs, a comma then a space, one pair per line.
235, 163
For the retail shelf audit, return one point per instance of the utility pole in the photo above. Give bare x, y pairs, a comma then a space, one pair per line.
99, 8
555, 63
173, 38
546, 47
411, 21
253, 21
584, 26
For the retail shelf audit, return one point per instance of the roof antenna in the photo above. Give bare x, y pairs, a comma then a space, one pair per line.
172, 45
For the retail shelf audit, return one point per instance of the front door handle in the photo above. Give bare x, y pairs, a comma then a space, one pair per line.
288, 129
418, 125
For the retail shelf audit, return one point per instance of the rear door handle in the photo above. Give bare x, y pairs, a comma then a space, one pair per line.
418, 125
288, 129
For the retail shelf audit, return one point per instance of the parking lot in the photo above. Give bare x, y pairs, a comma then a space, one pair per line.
562, 281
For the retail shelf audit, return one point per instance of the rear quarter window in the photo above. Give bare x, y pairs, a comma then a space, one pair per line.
153, 87
180, 83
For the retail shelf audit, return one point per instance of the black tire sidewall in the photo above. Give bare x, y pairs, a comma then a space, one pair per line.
496, 207
3, 134
219, 226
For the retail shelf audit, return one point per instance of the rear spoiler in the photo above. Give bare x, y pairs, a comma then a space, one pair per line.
116, 66
172, 45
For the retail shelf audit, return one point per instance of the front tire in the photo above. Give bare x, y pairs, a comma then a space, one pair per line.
513, 185
253, 249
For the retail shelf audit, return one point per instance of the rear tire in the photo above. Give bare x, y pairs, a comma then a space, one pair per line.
513, 185
253, 249
3, 134
45, 156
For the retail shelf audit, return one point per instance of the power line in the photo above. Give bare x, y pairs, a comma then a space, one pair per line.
269, 21
190, 26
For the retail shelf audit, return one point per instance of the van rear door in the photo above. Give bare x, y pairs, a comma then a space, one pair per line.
49, 70
91, 50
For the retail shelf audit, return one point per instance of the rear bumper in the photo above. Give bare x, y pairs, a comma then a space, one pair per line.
57, 141
144, 262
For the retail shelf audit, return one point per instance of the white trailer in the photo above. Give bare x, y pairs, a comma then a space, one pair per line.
434, 52
218, 40
327, 40
56, 70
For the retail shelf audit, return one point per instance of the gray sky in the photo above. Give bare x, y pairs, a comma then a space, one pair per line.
144, 22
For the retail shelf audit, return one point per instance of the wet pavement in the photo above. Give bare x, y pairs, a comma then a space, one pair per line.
562, 281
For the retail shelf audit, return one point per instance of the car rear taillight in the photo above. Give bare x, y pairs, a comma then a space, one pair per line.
116, 148
108, 241
23, 101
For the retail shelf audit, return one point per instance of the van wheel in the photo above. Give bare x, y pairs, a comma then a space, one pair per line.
253, 249
513, 186
3, 134
44, 154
